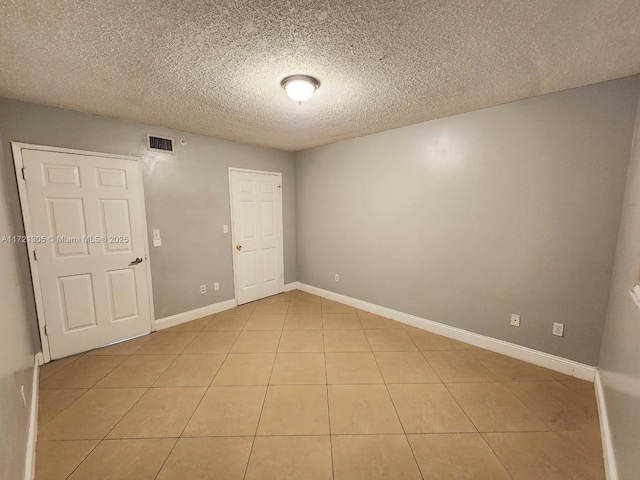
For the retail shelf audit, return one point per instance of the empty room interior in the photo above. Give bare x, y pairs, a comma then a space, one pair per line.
320, 240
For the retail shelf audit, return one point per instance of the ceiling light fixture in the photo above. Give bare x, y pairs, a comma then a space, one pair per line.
300, 87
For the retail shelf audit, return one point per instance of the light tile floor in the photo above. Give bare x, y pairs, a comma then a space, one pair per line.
295, 386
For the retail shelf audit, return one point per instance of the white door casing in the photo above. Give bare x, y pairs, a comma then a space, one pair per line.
84, 216
256, 219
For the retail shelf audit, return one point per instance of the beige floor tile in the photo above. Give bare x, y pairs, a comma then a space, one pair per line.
586, 444
227, 411
493, 408
125, 460
585, 389
212, 342
457, 366
303, 321
191, 371
245, 369
246, 309
257, 342
192, 326
299, 369
464, 456
537, 455
371, 321
428, 408
224, 322
329, 306
561, 376
265, 322
55, 366
352, 368
304, 308
301, 341
341, 321
92, 415
207, 458
57, 459
430, 341
123, 348
161, 412
390, 340
292, 457
362, 409
295, 410
509, 369
281, 297
373, 457
558, 406
137, 371
405, 367
300, 296
53, 402
167, 343
345, 341
271, 308
84, 372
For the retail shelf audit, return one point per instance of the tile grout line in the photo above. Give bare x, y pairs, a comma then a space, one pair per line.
326, 379
264, 401
495, 454
177, 439
395, 409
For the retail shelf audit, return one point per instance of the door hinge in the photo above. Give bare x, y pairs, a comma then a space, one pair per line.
24, 176
46, 332
35, 255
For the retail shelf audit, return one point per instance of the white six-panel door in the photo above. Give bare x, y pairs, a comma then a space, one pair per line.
256, 210
88, 233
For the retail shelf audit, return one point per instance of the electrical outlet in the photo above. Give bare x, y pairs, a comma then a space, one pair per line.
515, 320
337, 278
558, 329
216, 286
203, 289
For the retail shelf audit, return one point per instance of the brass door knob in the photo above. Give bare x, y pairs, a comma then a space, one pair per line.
238, 247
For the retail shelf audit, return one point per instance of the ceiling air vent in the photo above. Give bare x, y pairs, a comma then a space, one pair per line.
159, 144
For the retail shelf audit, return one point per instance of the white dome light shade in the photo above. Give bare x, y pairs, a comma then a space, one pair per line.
300, 87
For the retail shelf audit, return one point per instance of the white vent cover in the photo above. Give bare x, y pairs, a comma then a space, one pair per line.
159, 144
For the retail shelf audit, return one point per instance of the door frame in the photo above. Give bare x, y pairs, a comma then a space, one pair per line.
233, 233
18, 162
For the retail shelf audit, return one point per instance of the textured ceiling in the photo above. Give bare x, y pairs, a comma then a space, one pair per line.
215, 67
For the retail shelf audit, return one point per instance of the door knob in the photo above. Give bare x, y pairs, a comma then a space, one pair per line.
238, 247
136, 261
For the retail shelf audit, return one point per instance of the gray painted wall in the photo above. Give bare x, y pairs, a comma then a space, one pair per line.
620, 355
467, 219
187, 195
17, 347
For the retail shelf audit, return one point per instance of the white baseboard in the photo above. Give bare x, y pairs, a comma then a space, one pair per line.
184, 317
290, 286
30, 461
610, 468
542, 359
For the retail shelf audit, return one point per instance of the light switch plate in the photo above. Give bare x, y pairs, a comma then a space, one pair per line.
156, 234
225, 228
157, 243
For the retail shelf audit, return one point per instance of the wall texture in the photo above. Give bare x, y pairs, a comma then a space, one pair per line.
620, 356
466, 219
17, 347
187, 195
